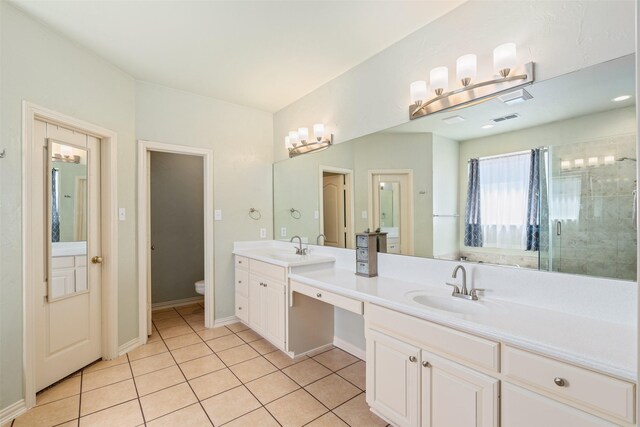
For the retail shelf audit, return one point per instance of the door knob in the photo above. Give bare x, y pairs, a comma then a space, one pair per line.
96, 260
153, 247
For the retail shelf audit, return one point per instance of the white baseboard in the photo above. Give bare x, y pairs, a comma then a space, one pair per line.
350, 348
12, 411
128, 346
226, 321
176, 303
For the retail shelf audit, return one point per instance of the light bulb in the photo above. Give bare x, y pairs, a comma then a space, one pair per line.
318, 131
504, 58
578, 163
293, 137
593, 161
66, 151
303, 134
439, 79
466, 68
418, 91
287, 143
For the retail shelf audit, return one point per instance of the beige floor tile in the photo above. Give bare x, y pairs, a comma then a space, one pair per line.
306, 372
281, 359
237, 327
229, 405
155, 336
126, 414
152, 363
191, 416
175, 331
214, 383
336, 359
249, 335
252, 369
72, 423
105, 377
333, 390
149, 349
188, 310
321, 350
105, 397
356, 374
260, 417
182, 341
328, 420
168, 400
296, 409
102, 364
165, 314
203, 365
263, 346
191, 352
197, 327
356, 412
223, 343
164, 324
66, 388
158, 380
194, 317
211, 333
272, 387
53, 413
237, 355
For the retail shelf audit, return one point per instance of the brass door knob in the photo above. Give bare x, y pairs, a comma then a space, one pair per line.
96, 260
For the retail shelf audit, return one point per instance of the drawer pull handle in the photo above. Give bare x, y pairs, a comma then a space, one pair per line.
426, 364
413, 359
319, 295
560, 382
239, 262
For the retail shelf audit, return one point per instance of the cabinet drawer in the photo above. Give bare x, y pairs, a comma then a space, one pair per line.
268, 270
241, 262
242, 308
466, 347
601, 392
242, 282
62, 262
346, 303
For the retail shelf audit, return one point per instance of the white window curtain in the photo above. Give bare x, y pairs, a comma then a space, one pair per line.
504, 185
565, 198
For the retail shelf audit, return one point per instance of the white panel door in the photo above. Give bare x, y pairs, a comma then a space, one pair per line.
68, 321
393, 375
256, 316
333, 205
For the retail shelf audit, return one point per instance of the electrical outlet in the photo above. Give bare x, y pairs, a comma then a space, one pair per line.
217, 215
263, 233
122, 214
316, 214
364, 214
283, 232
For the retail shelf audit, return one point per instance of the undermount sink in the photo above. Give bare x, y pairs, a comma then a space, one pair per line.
448, 303
284, 256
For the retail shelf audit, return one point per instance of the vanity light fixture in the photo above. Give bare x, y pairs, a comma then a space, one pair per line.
65, 155
298, 142
511, 76
621, 98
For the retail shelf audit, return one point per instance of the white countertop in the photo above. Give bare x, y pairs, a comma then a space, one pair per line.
283, 258
596, 344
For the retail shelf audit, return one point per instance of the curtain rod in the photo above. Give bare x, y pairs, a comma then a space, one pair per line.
516, 153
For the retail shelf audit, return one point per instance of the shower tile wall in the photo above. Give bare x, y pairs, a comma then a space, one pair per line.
593, 204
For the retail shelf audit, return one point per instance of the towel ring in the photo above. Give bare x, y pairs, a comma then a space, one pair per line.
254, 214
295, 213
3, 154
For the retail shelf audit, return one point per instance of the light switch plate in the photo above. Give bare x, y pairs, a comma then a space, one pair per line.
217, 215
364, 214
283, 232
122, 214
316, 214
263, 233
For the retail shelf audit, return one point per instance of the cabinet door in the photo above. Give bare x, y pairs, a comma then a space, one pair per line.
273, 306
256, 315
454, 395
523, 408
393, 375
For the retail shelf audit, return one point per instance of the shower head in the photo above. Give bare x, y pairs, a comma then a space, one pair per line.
621, 159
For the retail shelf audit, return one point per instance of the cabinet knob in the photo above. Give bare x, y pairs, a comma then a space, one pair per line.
239, 308
560, 382
413, 359
239, 262
319, 295
426, 364
239, 281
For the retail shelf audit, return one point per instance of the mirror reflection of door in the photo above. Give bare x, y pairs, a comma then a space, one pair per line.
68, 311
391, 202
334, 209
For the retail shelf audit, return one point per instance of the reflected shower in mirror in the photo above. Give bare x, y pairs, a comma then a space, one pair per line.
547, 183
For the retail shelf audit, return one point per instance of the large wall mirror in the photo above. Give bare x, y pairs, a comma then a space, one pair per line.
546, 183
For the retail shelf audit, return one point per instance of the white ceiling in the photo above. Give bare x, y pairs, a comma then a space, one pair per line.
263, 54
583, 92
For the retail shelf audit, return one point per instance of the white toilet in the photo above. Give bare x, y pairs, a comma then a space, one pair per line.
200, 287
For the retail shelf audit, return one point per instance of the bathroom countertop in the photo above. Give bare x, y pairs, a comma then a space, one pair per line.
283, 258
596, 344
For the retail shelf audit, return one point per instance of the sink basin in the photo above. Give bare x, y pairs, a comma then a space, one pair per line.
448, 303
284, 256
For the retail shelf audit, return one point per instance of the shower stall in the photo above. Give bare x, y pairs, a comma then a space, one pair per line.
588, 208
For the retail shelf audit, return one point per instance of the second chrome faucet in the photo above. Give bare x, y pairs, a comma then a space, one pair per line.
299, 250
471, 294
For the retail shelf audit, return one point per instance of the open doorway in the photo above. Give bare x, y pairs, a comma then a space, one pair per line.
175, 226
336, 207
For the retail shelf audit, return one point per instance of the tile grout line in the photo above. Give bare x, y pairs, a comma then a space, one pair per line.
80, 398
135, 385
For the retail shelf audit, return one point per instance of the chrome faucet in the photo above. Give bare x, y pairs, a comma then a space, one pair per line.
324, 238
299, 250
463, 292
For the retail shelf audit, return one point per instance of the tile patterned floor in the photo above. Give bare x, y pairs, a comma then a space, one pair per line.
187, 375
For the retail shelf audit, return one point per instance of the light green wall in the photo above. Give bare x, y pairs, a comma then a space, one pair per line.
41, 67
445, 202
